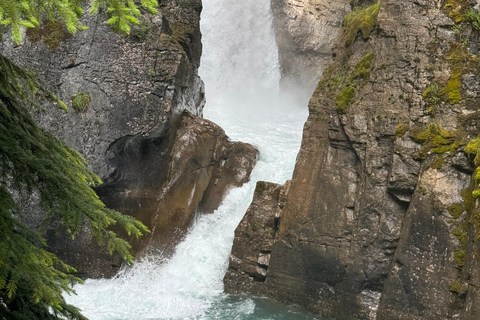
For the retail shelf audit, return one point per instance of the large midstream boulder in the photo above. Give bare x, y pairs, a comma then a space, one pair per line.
380, 222
165, 180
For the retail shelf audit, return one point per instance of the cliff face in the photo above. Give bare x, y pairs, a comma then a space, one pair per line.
305, 32
380, 221
134, 83
134, 114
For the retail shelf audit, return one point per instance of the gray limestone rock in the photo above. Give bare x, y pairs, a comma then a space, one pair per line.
380, 222
305, 32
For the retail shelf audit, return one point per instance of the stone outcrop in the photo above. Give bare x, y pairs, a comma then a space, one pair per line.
134, 104
165, 180
254, 238
135, 83
380, 222
305, 32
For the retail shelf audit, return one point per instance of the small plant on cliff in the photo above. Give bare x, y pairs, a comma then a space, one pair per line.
81, 101
360, 20
33, 161
473, 16
359, 75
457, 9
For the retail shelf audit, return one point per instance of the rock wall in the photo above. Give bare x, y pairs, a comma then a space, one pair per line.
135, 82
305, 31
135, 103
380, 221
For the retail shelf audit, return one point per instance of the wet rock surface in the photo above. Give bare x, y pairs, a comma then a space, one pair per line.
254, 238
380, 222
305, 32
135, 83
165, 180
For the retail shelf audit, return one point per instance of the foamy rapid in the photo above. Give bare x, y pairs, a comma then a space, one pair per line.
241, 73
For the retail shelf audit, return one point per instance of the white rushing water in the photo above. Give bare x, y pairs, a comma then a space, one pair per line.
241, 73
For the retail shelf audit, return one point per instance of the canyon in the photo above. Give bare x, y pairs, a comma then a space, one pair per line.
380, 218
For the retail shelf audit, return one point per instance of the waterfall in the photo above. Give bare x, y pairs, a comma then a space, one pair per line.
241, 73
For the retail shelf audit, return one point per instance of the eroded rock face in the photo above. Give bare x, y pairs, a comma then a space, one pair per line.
379, 221
158, 165
254, 238
305, 31
165, 180
136, 83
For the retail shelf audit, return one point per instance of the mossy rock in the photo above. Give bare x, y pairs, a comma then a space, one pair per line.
401, 129
344, 98
437, 164
431, 94
437, 139
451, 91
457, 9
455, 210
466, 194
360, 19
81, 101
363, 68
52, 33
456, 287
459, 257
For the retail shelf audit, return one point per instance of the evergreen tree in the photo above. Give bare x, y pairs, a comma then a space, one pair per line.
32, 279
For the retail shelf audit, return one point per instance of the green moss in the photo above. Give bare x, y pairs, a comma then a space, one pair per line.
459, 58
360, 73
458, 52
457, 9
431, 94
456, 210
451, 91
466, 194
461, 235
401, 129
459, 257
81, 101
360, 19
437, 164
435, 138
456, 287
473, 147
332, 77
344, 98
363, 68
52, 33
